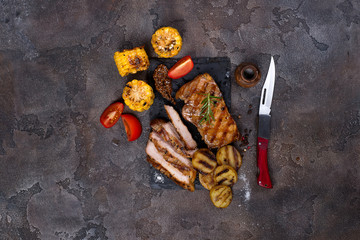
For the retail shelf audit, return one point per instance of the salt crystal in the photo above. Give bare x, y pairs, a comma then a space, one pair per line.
247, 187
159, 178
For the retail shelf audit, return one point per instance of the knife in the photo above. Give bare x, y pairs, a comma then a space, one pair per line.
264, 127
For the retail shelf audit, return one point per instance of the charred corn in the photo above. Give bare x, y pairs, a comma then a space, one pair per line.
166, 42
138, 95
131, 61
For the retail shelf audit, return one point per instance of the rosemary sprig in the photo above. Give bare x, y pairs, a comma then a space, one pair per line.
206, 112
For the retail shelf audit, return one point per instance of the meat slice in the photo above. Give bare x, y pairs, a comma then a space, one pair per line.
157, 160
163, 82
168, 152
183, 131
168, 132
216, 133
168, 148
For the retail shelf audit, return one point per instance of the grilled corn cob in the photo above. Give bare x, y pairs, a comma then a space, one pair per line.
138, 95
131, 61
166, 42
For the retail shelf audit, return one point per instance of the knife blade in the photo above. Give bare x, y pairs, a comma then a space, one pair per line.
264, 127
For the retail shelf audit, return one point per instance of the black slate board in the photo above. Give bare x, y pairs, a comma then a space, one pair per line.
219, 68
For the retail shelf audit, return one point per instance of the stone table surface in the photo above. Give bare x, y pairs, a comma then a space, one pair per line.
64, 176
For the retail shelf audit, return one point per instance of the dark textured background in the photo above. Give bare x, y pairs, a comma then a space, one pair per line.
64, 176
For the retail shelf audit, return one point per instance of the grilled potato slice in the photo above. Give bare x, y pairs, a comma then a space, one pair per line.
207, 181
221, 196
204, 161
225, 175
228, 155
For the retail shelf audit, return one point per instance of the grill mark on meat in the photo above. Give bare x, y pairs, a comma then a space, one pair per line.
213, 130
193, 98
168, 132
207, 87
160, 143
216, 134
227, 126
171, 159
152, 151
195, 101
194, 88
167, 153
219, 125
158, 166
175, 139
208, 127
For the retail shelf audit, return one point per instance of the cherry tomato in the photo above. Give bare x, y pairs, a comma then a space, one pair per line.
111, 114
181, 68
132, 126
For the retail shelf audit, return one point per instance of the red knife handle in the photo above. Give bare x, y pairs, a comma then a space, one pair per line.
263, 177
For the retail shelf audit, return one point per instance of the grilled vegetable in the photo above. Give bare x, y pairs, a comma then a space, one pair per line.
228, 155
131, 61
207, 181
225, 175
221, 196
166, 42
181, 68
132, 126
111, 114
204, 161
138, 95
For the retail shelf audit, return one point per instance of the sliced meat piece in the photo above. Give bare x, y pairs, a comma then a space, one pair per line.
216, 133
166, 147
168, 132
163, 82
157, 160
171, 156
176, 139
181, 128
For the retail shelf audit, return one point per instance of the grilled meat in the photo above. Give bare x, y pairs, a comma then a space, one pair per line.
168, 132
158, 161
168, 149
218, 132
163, 82
167, 152
185, 135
